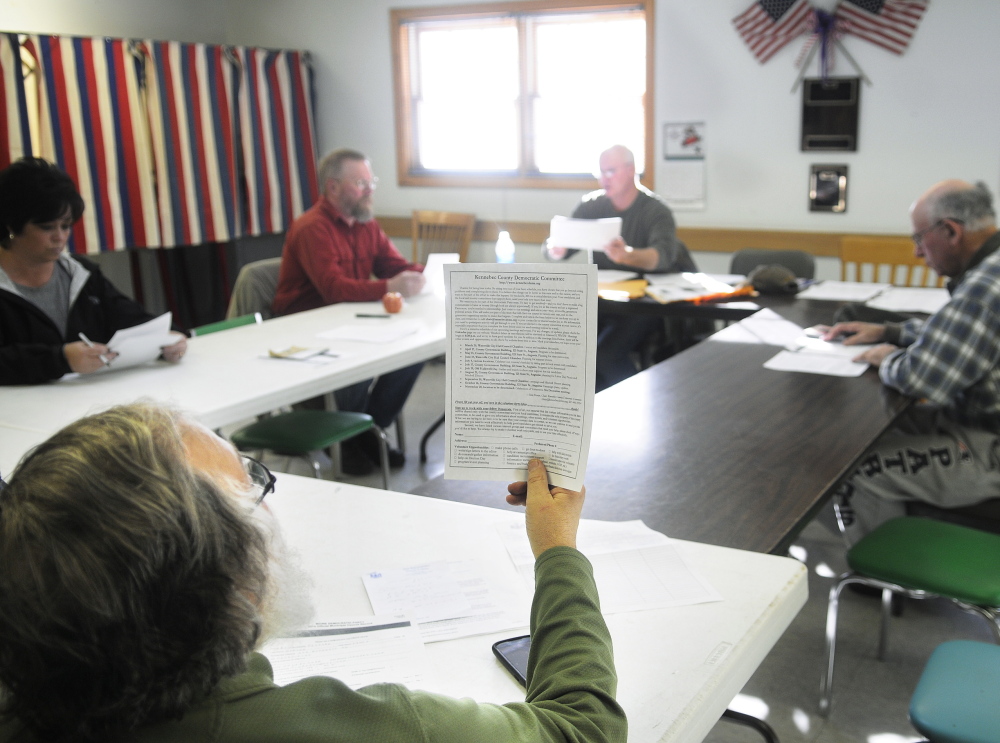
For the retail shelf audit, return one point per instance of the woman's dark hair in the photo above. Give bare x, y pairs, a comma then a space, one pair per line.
129, 581
35, 190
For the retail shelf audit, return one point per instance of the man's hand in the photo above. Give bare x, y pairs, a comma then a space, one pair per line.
875, 356
644, 259
552, 515
84, 359
175, 351
555, 252
855, 333
407, 283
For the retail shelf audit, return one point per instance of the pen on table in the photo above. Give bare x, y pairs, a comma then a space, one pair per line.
90, 344
369, 314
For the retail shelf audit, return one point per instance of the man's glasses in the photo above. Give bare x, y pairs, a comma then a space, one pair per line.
261, 477
361, 184
917, 237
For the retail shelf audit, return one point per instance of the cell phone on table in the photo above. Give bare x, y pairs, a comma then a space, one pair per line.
513, 654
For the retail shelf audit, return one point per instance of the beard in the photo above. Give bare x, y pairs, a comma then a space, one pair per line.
363, 211
288, 606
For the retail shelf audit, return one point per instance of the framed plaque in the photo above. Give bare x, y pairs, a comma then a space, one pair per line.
828, 188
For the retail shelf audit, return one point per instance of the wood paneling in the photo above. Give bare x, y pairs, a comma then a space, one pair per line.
707, 239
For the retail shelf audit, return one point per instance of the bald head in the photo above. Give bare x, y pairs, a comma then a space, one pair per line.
951, 221
968, 203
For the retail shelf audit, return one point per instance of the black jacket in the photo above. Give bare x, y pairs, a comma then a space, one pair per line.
30, 344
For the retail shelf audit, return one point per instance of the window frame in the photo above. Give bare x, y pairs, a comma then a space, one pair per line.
408, 175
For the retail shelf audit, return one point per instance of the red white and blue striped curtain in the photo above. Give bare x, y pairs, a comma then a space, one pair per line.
15, 132
92, 123
192, 120
278, 137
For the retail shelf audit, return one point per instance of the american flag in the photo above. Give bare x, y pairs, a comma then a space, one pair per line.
768, 25
888, 23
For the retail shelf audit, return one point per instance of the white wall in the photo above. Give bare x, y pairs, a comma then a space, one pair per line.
931, 113
169, 20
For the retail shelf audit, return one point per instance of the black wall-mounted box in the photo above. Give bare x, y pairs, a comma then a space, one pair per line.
830, 114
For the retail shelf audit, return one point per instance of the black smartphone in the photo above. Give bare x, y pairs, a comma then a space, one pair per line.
513, 653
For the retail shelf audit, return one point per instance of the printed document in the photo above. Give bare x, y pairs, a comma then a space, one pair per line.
520, 369
358, 651
583, 234
140, 343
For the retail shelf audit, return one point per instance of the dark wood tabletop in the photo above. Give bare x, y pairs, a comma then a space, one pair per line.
710, 446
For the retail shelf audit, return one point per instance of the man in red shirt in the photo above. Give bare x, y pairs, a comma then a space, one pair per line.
336, 252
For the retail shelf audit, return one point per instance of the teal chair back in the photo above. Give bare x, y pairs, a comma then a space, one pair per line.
232, 322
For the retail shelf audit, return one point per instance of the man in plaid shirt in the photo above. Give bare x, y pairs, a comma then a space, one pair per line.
945, 451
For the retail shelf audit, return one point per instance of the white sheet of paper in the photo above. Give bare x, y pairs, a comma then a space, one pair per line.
678, 287
842, 291
358, 651
434, 272
609, 275
584, 234
808, 344
447, 599
520, 370
815, 363
635, 567
140, 343
765, 326
911, 299
374, 330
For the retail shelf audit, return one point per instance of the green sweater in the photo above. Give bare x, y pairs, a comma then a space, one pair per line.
570, 695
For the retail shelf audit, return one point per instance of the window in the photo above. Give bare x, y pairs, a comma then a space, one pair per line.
521, 94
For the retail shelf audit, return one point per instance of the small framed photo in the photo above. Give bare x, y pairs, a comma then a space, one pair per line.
828, 188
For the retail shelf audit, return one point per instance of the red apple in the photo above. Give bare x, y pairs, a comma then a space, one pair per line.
393, 302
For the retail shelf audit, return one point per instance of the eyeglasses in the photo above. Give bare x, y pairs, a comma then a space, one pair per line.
261, 477
917, 237
361, 184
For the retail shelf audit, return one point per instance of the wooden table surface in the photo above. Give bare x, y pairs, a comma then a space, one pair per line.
711, 447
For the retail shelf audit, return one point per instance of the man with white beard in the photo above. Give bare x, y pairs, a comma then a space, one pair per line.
140, 570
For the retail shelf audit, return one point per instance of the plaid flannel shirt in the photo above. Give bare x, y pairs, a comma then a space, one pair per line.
953, 357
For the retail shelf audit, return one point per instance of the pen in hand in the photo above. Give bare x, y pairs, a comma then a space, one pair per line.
90, 344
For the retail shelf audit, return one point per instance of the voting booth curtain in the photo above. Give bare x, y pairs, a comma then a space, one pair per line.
170, 143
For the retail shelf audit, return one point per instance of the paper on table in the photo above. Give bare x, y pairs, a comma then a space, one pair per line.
634, 567
680, 287
434, 272
358, 651
447, 599
842, 291
815, 363
520, 370
765, 326
140, 343
911, 299
376, 330
584, 234
808, 344
611, 275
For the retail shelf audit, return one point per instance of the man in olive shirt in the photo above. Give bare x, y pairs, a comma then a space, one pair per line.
132, 597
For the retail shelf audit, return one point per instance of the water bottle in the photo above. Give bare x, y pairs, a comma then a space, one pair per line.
505, 248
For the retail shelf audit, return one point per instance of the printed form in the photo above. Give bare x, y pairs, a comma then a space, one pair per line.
522, 341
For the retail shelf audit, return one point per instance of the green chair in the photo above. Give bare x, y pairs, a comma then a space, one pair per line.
919, 558
957, 699
232, 322
300, 433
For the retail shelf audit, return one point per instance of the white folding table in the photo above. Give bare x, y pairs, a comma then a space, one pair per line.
678, 668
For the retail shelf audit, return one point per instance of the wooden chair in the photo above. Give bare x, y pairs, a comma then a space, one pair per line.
884, 259
441, 232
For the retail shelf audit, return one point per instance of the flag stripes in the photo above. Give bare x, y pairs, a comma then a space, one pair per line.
169, 143
888, 23
276, 128
15, 132
769, 25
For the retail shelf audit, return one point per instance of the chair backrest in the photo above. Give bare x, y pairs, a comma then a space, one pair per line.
229, 322
884, 260
441, 232
254, 289
800, 263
